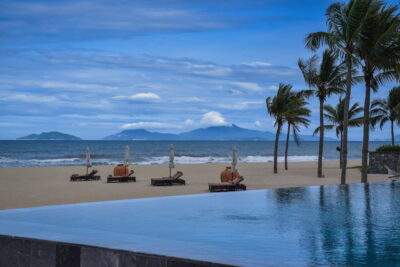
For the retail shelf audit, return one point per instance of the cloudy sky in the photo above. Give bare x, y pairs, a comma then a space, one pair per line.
93, 68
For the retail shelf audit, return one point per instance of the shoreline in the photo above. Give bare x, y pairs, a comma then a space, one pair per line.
23, 187
94, 164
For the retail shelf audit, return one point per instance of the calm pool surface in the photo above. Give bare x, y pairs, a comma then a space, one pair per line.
353, 225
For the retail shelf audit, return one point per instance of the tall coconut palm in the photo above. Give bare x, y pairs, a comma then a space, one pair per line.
278, 108
344, 21
387, 110
335, 116
295, 118
325, 79
378, 51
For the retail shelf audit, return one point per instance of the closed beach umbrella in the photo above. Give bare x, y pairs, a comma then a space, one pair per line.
234, 159
88, 163
127, 153
171, 158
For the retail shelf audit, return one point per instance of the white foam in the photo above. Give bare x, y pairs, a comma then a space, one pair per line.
210, 159
38, 162
6, 162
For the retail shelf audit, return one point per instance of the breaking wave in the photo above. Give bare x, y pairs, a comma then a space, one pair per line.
9, 162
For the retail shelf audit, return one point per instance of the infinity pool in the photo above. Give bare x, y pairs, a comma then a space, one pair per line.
353, 225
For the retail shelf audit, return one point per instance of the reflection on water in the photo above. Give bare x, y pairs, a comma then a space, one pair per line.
353, 225
339, 225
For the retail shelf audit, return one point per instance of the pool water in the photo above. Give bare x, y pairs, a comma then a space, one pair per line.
357, 225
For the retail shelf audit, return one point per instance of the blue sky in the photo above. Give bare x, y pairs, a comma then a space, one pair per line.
93, 68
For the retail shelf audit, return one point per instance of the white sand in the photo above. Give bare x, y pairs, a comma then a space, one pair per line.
39, 186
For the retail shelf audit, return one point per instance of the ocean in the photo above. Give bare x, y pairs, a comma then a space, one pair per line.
64, 153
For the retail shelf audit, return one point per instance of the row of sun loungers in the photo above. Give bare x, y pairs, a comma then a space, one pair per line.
176, 179
235, 185
121, 179
88, 177
121, 174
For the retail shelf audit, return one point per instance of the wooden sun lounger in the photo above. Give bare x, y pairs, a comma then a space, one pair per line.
89, 177
235, 185
121, 179
174, 180
392, 174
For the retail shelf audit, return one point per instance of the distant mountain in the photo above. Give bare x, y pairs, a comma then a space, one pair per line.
214, 133
219, 133
141, 134
49, 136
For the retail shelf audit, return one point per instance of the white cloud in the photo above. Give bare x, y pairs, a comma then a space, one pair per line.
139, 96
213, 118
258, 123
76, 86
146, 125
257, 64
249, 86
145, 96
106, 116
272, 87
241, 105
194, 99
189, 122
29, 98
119, 97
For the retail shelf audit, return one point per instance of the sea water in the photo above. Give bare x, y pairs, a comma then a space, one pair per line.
331, 225
58, 153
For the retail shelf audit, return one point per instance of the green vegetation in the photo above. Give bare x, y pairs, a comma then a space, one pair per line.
363, 36
335, 116
296, 117
384, 110
324, 79
286, 106
388, 148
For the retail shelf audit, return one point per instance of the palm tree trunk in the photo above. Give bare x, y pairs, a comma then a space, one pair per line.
278, 131
321, 136
367, 103
287, 146
341, 153
392, 131
349, 65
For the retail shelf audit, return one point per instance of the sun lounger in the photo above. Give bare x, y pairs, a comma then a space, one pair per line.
121, 179
89, 177
235, 185
392, 174
174, 180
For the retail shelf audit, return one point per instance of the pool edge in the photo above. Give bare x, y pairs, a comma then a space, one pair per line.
23, 251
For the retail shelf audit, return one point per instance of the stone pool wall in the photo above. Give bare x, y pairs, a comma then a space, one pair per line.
378, 160
18, 251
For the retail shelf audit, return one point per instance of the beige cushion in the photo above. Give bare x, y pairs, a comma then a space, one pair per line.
237, 180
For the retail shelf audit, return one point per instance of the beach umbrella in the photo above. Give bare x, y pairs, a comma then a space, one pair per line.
88, 163
234, 159
127, 153
171, 158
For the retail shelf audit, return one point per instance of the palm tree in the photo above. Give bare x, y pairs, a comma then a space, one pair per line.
344, 23
278, 107
378, 52
295, 118
325, 80
335, 116
384, 110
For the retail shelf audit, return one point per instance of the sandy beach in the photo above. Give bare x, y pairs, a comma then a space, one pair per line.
40, 186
